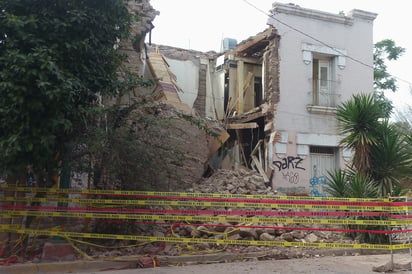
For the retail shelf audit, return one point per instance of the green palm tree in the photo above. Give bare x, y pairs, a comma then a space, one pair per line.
361, 186
358, 122
391, 159
337, 183
348, 183
382, 151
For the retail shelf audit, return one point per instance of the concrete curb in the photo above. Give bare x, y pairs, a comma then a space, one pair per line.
90, 266
59, 267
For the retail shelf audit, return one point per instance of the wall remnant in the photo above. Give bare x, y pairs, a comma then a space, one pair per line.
185, 130
252, 95
200, 138
239, 89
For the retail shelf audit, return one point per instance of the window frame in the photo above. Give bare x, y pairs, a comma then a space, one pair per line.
324, 95
337, 60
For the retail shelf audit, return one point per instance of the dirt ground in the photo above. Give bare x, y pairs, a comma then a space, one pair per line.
361, 264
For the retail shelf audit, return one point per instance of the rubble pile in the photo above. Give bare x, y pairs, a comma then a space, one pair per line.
239, 181
244, 181
264, 232
227, 231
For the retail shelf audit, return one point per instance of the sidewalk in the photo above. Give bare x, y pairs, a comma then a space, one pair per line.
329, 264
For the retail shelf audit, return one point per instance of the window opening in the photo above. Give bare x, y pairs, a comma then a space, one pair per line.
323, 94
258, 91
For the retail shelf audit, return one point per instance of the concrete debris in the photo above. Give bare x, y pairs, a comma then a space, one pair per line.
390, 267
266, 237
239, 181
311, 238
222, 181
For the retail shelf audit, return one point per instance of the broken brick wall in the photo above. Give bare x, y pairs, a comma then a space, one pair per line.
194, 71
272, 97
134, 49
200, 102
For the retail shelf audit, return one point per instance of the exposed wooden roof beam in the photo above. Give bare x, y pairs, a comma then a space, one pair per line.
242, 125
259, 41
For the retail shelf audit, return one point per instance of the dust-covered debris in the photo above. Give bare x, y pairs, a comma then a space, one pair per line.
239, 181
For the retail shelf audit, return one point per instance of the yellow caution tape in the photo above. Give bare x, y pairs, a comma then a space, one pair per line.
187, 194
203, 204
197, 218
7, 228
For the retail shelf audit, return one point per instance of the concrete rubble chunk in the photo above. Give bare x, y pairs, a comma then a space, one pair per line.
288, 237
298, 234
266, 237
245, 232
311, 238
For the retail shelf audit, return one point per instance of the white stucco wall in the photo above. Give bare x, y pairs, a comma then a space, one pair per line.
216, 95
187, 77
295, 75
352, 34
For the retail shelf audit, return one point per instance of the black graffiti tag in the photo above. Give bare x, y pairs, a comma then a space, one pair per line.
289, 162
291, 177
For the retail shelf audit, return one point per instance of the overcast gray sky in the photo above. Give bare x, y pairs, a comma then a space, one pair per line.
201, 25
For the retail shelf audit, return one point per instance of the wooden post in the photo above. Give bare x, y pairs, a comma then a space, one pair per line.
239, 87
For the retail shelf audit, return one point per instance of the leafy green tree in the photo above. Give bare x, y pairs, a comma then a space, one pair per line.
385, 50
56, 57
138, 151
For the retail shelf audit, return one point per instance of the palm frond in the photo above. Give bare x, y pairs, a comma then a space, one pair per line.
359, 120
336, 184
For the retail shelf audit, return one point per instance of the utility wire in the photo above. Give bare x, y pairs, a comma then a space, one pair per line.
320, 41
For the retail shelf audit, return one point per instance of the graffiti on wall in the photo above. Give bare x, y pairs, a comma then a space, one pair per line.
291, 177
289, 162
289, 167
316, 185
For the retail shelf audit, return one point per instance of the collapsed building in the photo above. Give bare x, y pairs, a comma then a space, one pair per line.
276, 93
229, 89
265, 104
269, 100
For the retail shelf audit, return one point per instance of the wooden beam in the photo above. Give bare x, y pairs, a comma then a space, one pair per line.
256, 161
242, 126
250, 60
260, 168
268, 126
253, 41
261, 37
240, 85
247, 82
242, 151
256, 147
241, 95
252, 114
249, 117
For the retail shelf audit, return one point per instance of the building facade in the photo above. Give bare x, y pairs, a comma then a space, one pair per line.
276, 93
324, 59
